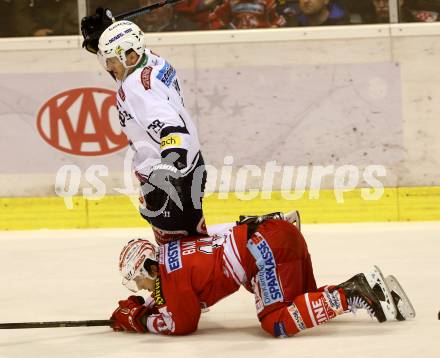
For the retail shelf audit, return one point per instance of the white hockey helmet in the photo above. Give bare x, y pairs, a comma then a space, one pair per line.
133, 259
119, 38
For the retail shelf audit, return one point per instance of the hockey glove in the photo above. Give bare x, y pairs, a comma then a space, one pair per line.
93, 26
129, 316
169, 180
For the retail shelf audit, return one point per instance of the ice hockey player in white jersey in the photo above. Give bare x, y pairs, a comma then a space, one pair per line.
152, 114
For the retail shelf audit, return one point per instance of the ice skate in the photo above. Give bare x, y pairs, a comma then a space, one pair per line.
377, 282
360, 295
404, 308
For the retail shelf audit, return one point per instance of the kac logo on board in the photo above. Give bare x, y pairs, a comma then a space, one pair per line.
79, 121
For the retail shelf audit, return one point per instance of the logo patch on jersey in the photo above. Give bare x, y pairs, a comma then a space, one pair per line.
173, 258
121, 93
267, 275
172, 140
322, 311
296, 317
146, 77
166, 74
157, 293
78, 122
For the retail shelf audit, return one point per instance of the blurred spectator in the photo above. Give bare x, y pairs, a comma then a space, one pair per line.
6, 25
45, 17
289, 9
321, 12
246, 14
359, 12
166, 18
117, 7
425, 10
428, 5
162, 19
409, 11
194, 14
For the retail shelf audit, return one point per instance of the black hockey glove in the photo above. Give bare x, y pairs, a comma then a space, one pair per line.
169, 180
93, 26
249, 219
253, 222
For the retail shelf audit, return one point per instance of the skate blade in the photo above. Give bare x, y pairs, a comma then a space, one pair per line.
404, 306
374, 278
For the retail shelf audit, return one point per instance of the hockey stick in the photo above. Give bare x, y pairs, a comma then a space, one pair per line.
90, 323
144, 10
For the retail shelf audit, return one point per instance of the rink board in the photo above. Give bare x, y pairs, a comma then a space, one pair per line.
396, 204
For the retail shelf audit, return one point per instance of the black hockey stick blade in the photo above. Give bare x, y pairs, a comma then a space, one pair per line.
89, 323
144, 10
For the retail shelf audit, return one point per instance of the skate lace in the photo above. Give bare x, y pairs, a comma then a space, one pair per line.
356, 302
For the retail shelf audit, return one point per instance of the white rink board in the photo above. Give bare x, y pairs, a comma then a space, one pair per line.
72, 275
312, 86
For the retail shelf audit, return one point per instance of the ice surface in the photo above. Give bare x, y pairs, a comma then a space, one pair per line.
72, 275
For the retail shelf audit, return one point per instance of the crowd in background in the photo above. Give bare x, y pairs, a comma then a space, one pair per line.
60, 17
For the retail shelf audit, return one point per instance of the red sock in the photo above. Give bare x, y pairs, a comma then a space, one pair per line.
306, 311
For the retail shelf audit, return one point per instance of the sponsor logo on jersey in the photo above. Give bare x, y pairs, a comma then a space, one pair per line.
256, 239
173, 259
259, 306
166, 74
157, 292
334, 300
78, 122
146, 77
267, 274
296, 317
322, 311
172, 140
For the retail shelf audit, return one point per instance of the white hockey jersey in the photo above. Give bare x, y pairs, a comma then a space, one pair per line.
153, 116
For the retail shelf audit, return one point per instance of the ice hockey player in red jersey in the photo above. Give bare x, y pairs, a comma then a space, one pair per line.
269, 259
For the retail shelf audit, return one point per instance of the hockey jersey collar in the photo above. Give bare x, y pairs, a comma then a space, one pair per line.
142, 63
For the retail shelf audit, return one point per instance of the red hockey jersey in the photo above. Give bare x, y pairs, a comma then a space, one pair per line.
273, 264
